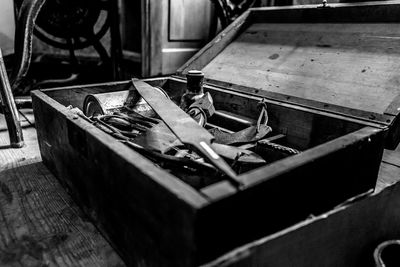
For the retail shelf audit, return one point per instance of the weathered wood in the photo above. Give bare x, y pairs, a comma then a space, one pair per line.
387, 175
39, 223
352, 65
30, 151
368, 12
340, 59
132, 199
137, 206
196, 219
345, 236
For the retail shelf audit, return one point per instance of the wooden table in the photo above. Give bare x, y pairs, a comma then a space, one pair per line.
40, 225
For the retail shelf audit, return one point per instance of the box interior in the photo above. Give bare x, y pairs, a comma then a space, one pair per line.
295, 127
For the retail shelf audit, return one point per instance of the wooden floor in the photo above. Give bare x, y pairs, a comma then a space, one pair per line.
40, 225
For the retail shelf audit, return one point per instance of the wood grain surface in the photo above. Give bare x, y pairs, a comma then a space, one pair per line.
40, 225
350, 65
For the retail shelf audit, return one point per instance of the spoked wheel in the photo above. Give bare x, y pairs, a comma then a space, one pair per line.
68, 25
73, 24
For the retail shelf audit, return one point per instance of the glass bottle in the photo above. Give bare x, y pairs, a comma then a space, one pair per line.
194, 88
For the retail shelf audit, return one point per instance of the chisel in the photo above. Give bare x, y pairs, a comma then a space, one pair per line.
188, 131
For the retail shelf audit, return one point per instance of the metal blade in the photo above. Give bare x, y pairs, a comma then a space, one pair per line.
185, 128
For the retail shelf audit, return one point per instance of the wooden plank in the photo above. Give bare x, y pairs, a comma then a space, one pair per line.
369, 12
352, 65
131, 199
29, 151
392, 157
316, 179
342, 237
40, 225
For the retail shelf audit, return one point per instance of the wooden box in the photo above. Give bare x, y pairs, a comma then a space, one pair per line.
345, 236
331, 88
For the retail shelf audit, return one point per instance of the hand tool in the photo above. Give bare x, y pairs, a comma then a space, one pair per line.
185, 128
202, 109
9, 108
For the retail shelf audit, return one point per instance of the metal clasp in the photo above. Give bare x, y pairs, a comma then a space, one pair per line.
324, 4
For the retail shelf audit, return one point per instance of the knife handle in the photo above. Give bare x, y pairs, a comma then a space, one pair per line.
207, 151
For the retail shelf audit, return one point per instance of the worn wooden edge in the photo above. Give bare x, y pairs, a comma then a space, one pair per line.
394, 107
289, 104
250, 254
393, 136
94, 85
369, 118
330, 5
213, 48
107, 84
392, 158
360, 12
372, 117
221, 190
276, 169
181, 190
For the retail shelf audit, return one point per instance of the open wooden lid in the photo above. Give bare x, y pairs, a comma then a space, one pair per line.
344, 58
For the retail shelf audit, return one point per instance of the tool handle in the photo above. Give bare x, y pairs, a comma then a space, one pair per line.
209, 153
9, 108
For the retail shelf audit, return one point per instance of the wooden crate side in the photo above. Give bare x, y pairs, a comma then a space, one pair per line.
291, 190
146, 213
345, 236
75, 95
393, 136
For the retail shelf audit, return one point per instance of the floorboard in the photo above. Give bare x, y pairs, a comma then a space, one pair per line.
40, 225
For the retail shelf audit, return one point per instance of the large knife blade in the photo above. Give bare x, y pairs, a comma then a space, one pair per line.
188, 131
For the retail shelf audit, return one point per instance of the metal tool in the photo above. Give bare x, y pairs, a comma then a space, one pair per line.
202, 109
185, 128
9, 108
387, 254
111, 102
